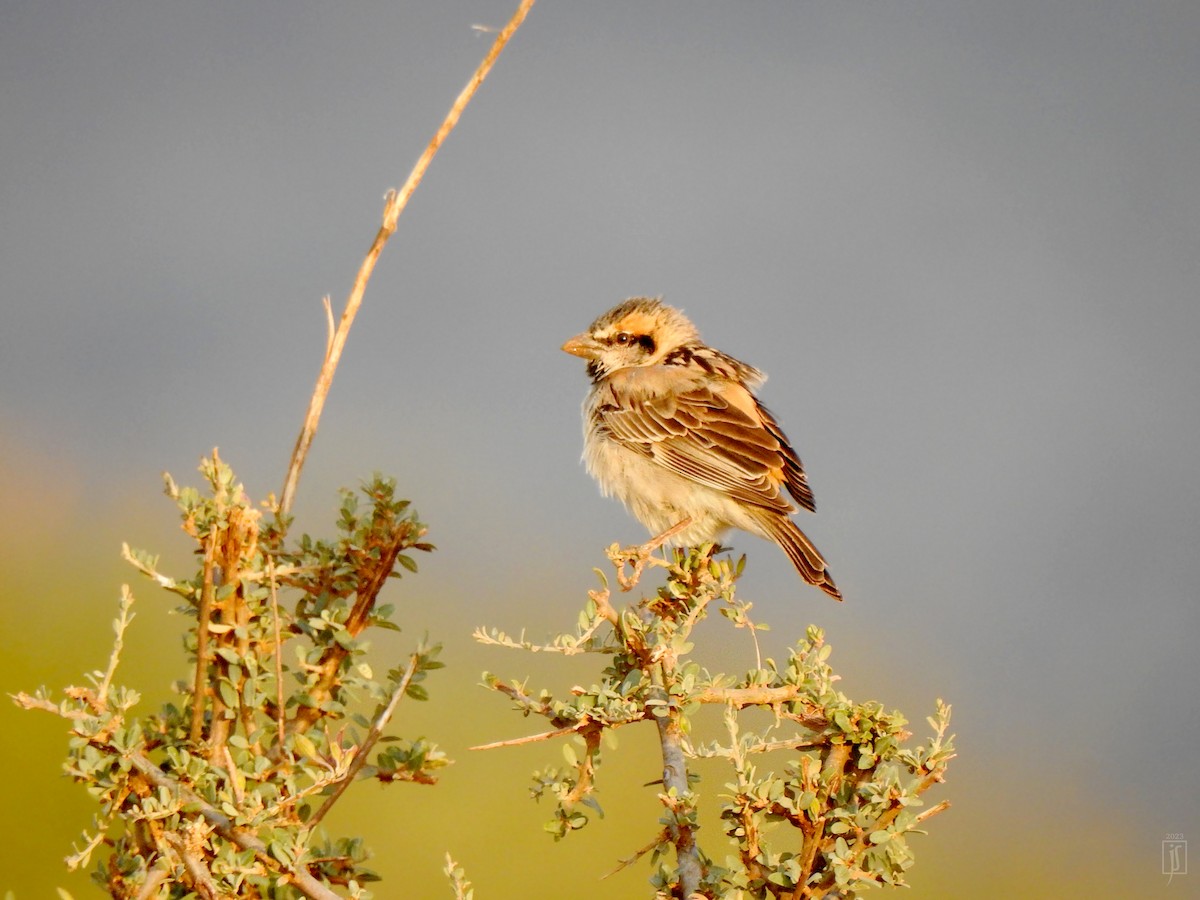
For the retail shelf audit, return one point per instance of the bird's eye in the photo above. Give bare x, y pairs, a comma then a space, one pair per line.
623, 338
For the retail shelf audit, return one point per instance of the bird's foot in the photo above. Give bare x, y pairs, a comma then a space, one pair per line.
641, 555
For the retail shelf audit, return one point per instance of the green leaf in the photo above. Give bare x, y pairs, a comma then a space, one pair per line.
228, 693
417, 692
306, 746
280, 851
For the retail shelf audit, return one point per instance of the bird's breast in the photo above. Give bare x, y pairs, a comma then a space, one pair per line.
656, 496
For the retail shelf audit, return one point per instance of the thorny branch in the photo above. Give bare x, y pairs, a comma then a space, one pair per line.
844, 790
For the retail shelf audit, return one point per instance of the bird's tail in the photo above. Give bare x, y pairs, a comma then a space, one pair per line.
800, 550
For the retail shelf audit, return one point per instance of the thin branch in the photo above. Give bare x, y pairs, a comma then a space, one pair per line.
83, 857
327, 680
832, 770
827, 883
292, 800
330, 327
564, 644
202, 880
889, 816
153, 882
747, 623
528, 739
604, 614
164, 581
796, 743
122, 623
396, 201
764, 696
237, 780
373, 736
932, 811
526, 702
28, 701
202, 617
628, 861
586, 767
675, 784
793, 743
305, 883
643, 554
280, 719
604, 608
749, 849
458, 879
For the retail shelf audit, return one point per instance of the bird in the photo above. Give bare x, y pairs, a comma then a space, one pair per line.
673, 429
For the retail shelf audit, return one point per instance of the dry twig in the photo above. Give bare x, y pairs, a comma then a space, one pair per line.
396, 201
373, 736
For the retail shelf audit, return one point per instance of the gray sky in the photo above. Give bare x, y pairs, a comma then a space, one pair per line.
963, 239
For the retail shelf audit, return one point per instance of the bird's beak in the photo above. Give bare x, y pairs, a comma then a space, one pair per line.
582, 345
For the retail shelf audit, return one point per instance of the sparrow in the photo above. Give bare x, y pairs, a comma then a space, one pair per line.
672, 428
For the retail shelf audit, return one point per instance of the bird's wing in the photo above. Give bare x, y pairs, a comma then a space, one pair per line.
793, 470
713, 433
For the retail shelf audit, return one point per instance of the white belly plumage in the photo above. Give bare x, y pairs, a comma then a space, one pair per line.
659, 498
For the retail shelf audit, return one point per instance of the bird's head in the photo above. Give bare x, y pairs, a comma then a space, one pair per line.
639, 332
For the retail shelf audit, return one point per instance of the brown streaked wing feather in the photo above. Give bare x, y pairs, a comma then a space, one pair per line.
703, 437
793, 469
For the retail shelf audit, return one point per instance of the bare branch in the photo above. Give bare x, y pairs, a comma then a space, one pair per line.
628, 861
330, 327
932, 811
675, 782
396, 201
528, 739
